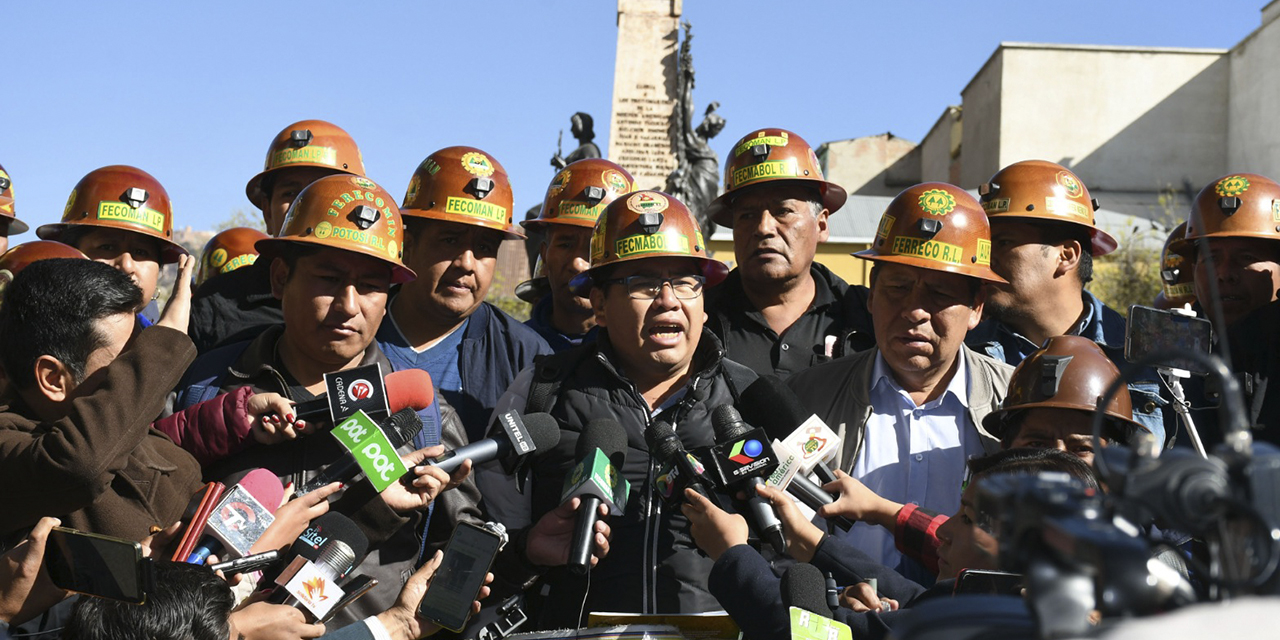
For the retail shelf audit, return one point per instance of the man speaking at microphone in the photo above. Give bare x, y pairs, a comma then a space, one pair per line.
331, 266
653, 361
909, 412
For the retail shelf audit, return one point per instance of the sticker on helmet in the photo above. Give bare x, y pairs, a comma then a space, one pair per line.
149, 218
477, 164
886, 223
597, 243
1065, 207
1070, 183
578, 210
937, 202
429, 165
476, 209
363, 182
243, 260
324, 230
218, 258
984, 252
645, 243
765, 170
996, 205
411, 193
779, 140
616, 182
1180, 291
931, 250
1232, 186
310, 154
393, 250
1275, 210
648, 202
558, 183
71, 200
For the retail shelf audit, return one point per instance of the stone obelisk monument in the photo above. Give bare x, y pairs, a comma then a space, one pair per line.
644, 90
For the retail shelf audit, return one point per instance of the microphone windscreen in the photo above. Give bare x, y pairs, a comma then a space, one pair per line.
606, 435
409, 388
265, 487
402, 426
773, 406
543, 430
330, 526
662, 441
804, 586
727, 423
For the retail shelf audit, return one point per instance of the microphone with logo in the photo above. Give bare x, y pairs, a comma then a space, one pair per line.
514, 436
677, 468
744, 461
804, 594
774, 407
321, 557
365, 389
596, 480
399, 429
241, 517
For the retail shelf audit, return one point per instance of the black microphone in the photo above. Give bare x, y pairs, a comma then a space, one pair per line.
681, 468
332, 543
742, 458
601, 452
400, 428
804, 586
774, 407
364, 388
814, 497
517, 436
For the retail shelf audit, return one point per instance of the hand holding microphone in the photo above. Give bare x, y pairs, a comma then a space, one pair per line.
714, 530
597, 481
742, 454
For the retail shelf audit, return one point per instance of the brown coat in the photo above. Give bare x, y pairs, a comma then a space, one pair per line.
102, 468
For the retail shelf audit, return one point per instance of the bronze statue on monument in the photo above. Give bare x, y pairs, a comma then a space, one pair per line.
582, 129
696, 178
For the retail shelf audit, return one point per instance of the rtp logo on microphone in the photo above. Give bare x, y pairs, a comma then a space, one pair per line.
360, 390
744, 451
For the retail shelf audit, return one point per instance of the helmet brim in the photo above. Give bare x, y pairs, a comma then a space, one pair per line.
981, 272
271, 248
170, 251
833, 197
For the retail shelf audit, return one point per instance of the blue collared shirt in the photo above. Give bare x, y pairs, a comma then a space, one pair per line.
913, 454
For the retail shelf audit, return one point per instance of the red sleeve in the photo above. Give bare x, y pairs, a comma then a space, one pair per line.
916, 535
213, 429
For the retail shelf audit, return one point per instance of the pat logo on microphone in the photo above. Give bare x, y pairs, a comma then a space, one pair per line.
745, 451
360, 435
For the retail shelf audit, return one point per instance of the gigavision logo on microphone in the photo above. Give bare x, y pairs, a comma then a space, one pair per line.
744, 451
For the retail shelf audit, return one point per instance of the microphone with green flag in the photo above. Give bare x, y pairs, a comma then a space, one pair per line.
596, 479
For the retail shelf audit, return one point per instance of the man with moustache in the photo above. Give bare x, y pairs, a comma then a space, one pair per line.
910, 411
779, 312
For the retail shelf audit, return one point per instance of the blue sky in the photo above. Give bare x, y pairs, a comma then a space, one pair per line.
193, 92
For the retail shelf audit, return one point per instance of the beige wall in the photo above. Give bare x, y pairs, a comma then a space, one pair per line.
861, 165
940, 149
1124, 119
980, 128
1253, 136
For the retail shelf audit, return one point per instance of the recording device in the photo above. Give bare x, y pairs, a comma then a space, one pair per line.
353, 590
400, 428
774, 407
246, 563
197, 516
329, 526
326, 552
1152, 331
461, 575
804, 586
513, 436
241, 517
677, 468
743, 459
98, 565
789, 478
366, 389
595, 480
982, 581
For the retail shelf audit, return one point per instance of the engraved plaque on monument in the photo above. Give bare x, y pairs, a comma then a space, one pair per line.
644, 90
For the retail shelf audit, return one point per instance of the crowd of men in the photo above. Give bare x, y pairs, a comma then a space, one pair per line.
975, 348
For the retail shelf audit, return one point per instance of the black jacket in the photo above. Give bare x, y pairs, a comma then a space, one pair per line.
653, 565
233, 307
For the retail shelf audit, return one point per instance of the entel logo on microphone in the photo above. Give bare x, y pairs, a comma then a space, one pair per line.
360, 390
745, 451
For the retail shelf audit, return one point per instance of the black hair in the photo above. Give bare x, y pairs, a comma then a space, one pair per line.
1032, 461
292, 252
51, 309
1052, 233
188, 602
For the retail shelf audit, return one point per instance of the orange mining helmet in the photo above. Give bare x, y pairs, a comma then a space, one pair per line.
580, 192
935, 226
1068, 372
344, 212
227, 251
770, 155
307, 143
1039, 190
120, 197
462, 184
1241, 205
1177, 275
13, 261
647, 224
